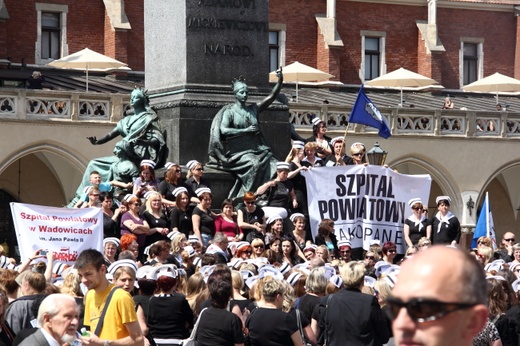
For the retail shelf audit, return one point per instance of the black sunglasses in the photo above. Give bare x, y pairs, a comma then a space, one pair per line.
510, 239
199, 169
369, 257
424, 310
392, 251
358, 154
250, 203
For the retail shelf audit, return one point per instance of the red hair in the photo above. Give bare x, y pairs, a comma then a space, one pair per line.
126, 240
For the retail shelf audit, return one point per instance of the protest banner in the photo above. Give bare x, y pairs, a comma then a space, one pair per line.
64, 231
365, 202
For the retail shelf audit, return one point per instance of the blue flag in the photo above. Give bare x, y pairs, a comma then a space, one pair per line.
485, 226
366, 113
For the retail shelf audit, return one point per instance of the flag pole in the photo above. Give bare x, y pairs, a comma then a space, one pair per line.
487, 215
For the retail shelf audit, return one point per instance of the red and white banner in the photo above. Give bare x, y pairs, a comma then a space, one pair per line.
365, 202
65, 231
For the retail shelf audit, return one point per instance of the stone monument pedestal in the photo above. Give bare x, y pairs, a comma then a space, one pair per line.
194, 49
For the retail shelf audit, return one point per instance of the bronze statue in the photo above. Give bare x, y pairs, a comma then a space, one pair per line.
142, 139
237, 144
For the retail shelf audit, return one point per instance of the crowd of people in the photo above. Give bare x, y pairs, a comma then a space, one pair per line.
173, 268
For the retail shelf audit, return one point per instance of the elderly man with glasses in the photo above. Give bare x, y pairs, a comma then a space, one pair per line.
506, 248
439, 299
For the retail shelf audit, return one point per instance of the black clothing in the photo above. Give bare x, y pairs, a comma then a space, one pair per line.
219, 327
280, 194
111, 227
354, 318
166, 189
35, 83
320, 240
416, 232
153, 222
307, 304
331, 160
168, 316
207, 224
193, 185
182, 220
144, 302
271, 327
256, 216
446, 232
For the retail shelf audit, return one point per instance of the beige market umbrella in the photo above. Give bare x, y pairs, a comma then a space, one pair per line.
494, 84
298, 72
402, 78
87, 59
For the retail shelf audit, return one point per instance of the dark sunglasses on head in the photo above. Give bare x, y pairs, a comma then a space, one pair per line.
424, 310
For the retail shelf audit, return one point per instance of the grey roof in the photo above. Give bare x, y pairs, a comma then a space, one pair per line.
346, 96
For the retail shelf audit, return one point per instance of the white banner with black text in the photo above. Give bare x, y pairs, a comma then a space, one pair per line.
65, 231
365, 202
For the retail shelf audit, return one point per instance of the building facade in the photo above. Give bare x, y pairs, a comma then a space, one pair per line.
449, 41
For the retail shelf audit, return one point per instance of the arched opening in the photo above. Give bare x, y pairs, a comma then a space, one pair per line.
7, 234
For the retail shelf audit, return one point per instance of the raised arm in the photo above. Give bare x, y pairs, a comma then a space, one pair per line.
108, 137
274, 93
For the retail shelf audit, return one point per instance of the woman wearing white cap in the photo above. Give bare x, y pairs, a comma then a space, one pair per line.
339, 158
171, 182
180, 216
296, 165
445, 225
146, 181
203, 217
281, 193
158, 222
417, 225
194, 177
311, 148
319, 128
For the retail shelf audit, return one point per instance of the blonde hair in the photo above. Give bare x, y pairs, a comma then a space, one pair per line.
271, 289
292, 154
383, 287
357, 147
316, 282
237, 280
190, 173
487, 252
153, 195
352, 273
176, 248
71, 284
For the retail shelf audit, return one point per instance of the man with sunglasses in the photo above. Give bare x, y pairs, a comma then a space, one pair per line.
506, 248
439, 299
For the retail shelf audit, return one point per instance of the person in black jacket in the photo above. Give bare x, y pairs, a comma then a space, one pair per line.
445, 225
352, 317
327, 237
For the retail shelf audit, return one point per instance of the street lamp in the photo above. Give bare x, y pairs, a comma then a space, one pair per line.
376, 155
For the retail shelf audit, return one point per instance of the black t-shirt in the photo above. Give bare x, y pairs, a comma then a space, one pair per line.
154, 222
307, 304
166, 190
271, 327
207, 224
250, 218
182, 220
168, 316
280, 194
219, 327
